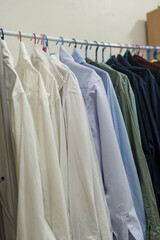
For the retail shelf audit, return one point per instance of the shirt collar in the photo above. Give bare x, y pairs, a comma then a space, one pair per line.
23, 55
64, 55
7, 57
40, 55
78, 56
50, 63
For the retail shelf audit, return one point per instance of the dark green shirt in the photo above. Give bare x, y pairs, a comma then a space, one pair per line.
153, 232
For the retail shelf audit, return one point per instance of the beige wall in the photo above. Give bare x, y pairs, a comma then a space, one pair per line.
102, 20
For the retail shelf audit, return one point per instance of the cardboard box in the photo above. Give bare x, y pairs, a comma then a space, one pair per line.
153, 27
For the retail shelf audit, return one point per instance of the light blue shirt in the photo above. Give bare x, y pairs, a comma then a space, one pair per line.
122, 137
123, 216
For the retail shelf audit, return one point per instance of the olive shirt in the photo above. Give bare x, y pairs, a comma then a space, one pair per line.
132, 102
153, 231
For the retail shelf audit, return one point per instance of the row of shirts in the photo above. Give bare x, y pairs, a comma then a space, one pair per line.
133, 153
66, 117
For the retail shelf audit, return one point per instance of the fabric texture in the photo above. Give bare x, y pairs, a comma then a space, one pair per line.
122, 137
89, 214
8, 185
40, 61
53, 193
140, 161
31, 222
148, 127
124, 219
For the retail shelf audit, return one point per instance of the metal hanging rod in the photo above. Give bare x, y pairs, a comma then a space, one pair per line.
82, 42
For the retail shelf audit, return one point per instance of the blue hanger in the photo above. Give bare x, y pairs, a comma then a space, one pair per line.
127, 51
75, 42
110, 50
139, 49
150, 53
155, 53
2, 33
86, 48
62, 41
46, 40
134, 49
96, 53
47, 43
147, 55
103, 52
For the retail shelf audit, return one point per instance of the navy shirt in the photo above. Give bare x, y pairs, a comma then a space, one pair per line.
148, 126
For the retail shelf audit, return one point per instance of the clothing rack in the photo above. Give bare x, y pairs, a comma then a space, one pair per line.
81, 42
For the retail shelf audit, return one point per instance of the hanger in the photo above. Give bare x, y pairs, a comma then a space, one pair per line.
20, 36
147, 55
110, 50
155, 55
139, 49
103, 52
43, 39
120, 48
62, 41
150, 53
96, 52
75, 42
86, 48
142, 51
35, 38
2, 37
47, 44
127, 51
133, 49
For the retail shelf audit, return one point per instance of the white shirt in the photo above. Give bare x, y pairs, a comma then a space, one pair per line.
31, 222
89, 214
53, 194
39, 59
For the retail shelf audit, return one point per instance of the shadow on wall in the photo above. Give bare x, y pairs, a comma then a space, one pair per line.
137, 33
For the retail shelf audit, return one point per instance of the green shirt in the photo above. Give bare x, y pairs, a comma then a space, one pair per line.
153, 231
132, 101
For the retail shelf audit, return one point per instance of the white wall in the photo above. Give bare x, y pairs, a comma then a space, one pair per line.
116, 21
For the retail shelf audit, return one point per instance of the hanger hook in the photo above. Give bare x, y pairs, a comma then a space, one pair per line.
43, 39
127, 51
86, 48
96, 56
139, 49
90, 47
147, 55
110, 49
142, 50
47, 43
2, 33
34, 38
120, 48
133, 49
104, 46
75, 42
20, 36
155, 53
61, 41
46, 40
81, 46
150, 52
